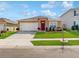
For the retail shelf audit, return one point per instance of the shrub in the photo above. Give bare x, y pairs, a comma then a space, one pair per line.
49, 28
64, 28
76, 27
46, 28
73, 28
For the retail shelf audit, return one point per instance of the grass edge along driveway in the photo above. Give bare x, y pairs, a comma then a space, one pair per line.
54, 43
6, 34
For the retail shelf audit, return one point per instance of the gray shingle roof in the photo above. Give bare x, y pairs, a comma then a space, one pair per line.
32, 18
36, 18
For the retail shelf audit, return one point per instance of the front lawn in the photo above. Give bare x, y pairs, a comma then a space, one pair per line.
6, 34
67, 34
46, 42
73, 42
54, 43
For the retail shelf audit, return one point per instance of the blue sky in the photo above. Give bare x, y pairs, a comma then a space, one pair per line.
16, 10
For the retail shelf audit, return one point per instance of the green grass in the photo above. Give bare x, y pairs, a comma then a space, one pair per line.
67, 34
7, 34
73, 42
54, 43
46, 42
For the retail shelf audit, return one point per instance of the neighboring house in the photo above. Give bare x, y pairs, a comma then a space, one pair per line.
70, 17
37, 23
7, 25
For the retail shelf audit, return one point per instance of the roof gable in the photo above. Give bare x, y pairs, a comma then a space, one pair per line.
68, 11
65, 12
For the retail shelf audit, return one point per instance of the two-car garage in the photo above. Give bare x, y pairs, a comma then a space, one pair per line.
28, 26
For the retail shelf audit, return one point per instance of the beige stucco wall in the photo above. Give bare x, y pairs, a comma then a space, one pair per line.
57, 23
11, 28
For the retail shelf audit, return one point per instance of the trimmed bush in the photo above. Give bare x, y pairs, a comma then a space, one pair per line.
76, 27
50, 29
46, 28
73, 28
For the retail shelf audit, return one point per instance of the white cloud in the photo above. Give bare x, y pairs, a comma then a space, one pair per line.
52, 2
24, 6
48, 5
48, 13
29, 13
4, 6
34, 12
25, 13
67, 4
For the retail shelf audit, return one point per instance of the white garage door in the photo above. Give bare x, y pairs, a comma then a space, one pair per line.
29, 26
1, 27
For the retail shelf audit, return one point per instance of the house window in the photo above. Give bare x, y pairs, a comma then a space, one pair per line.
74, 12
74, 23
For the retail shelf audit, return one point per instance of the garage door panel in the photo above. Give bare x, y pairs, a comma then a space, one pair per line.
28, 26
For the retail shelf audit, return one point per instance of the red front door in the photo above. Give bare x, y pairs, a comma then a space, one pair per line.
42, 25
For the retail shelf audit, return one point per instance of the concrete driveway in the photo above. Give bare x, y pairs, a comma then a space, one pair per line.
18, 39
22, 35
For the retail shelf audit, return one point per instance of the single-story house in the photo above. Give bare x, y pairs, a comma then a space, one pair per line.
70, 18
37, 23
7, 25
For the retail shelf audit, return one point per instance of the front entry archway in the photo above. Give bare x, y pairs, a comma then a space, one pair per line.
43, 25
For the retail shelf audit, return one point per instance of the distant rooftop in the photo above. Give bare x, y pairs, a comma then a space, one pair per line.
8, 20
